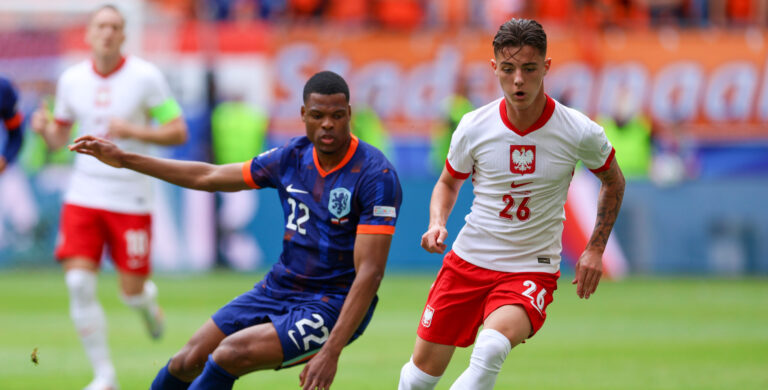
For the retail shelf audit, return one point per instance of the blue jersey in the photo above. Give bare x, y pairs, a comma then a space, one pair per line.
324, 211
11, 119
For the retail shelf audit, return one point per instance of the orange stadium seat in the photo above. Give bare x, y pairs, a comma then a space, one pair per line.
353, 11
399, 13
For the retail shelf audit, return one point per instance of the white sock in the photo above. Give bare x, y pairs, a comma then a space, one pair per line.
146, 304
90, 322
491, 349
412, 378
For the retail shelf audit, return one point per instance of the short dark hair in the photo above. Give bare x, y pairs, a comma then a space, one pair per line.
326, 83
519, 33
110, 7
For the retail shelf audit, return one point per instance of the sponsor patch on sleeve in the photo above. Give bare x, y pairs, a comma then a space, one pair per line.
384, 211
264, 153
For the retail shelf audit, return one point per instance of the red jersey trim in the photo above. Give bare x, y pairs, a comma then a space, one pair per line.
247, 177
350, 152
62, 122
15, 122
549, 108
111, 72
607, 163
375, 229
456, 174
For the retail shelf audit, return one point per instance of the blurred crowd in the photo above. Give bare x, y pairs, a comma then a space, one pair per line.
412, 14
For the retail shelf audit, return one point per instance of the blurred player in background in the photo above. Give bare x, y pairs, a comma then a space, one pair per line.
340, 197
12, 121
112, 96
521, 151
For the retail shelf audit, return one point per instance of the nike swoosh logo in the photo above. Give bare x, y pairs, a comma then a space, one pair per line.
513, 185
295, 190
290, 334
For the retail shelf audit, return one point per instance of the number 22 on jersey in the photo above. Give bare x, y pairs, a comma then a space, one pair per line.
300, 218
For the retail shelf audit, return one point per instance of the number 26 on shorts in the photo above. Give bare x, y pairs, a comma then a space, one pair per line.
539, 302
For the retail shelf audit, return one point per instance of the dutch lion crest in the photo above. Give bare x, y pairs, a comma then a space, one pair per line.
339, 202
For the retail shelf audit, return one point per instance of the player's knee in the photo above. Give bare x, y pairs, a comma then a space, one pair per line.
186, 366
413, 378
491, 349
137, 300
233, 355
81, 285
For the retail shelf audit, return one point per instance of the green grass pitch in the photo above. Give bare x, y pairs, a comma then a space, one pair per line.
660, 333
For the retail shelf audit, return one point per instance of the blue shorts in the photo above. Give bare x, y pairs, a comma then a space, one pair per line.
303, 321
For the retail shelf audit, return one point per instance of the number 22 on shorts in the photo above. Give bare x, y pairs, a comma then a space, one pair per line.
319, 323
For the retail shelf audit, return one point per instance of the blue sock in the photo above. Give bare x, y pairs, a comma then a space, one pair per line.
166, 381
213, 378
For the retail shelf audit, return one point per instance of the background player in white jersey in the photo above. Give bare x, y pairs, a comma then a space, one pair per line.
521, 151
117, 97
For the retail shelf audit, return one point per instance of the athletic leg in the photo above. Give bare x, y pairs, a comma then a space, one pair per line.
255, 348
451, 317
426, 366
188, 363
140, 293
89, 320
504, 328
81, 239
129, 237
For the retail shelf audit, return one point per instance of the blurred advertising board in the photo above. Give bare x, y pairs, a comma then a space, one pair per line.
712, 82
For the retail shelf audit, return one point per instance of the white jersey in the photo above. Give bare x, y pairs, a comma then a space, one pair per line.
520, 183
91, 100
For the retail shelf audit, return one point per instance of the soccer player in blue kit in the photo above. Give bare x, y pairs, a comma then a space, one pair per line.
340, 197
12, 121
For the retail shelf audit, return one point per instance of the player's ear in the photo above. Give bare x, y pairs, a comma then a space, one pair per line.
349, 110
303, 112
493, 64
547, 64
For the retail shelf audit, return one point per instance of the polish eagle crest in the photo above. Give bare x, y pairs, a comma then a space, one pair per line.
522, 159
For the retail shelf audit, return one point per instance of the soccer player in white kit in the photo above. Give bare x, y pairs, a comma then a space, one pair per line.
521, 151
112, 96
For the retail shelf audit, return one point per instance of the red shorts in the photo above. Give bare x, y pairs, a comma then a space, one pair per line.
464, 295
84, 231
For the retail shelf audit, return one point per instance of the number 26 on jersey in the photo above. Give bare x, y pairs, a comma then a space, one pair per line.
513, 209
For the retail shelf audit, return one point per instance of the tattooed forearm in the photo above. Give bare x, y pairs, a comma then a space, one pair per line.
608, 205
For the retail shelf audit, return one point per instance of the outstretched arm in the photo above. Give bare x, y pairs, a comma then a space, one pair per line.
173, 132
589, 268
189, 174
371, 252
443, 199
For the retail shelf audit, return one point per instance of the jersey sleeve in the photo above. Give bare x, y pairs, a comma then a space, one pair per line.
380, 196
8, 100
595, 150
163, 108
459, 162
262, 170
12, 119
